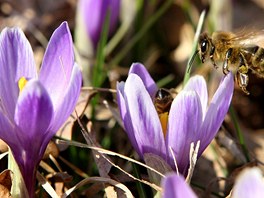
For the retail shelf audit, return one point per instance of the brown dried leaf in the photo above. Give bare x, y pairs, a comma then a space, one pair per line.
52, 149
46, 185
5, 183
3, 146
111, 153
157, 163
110, 192
63, 177
112, 182
102, 164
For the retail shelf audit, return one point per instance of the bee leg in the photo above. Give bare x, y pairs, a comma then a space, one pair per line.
242, 80
226, 62
241, 75
258, 61
212, 56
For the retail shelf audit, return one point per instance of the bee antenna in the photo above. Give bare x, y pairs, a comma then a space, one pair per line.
191, 61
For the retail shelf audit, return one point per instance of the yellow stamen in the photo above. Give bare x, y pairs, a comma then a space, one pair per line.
22, 83
164, 121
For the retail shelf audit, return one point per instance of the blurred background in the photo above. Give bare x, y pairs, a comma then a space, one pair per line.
159, 34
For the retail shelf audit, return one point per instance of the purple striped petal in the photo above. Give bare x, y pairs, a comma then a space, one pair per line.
6, 130
120, 99
126, 117
16, 60
68, 101
249, 184
174, 186
33, 115
58, 61
141, 119
198, 84
216, 112
141, 71
34, 112
185, 119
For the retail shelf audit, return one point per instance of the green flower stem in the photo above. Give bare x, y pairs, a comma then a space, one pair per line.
239, 132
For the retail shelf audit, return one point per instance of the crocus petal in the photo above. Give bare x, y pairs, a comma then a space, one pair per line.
185, 118
126, 116
16, 60
249, 184
143, 119
216, 112
33, 115
58, 62
95, 12
69, 100
7, 126
141, 71
33, 112
198, 84
120, 86
174, 186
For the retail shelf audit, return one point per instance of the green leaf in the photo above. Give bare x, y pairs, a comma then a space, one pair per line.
18, 185
99, 75
152, 20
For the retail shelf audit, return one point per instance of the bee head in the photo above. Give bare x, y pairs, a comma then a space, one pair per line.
163, 100
204, 46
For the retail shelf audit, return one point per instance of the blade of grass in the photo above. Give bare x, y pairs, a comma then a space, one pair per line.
127, 17
240, 136
141, 33
100, 56
140, 187
194, 48
98, 71
166, 80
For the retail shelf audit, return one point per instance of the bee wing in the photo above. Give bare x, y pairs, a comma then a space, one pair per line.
249, 39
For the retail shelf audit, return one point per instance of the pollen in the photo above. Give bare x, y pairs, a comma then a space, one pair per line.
22, 83
164, 121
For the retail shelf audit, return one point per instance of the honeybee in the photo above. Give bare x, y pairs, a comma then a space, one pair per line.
162, 101
237, 53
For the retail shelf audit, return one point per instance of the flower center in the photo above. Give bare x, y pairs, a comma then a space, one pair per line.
22, 83
162, 103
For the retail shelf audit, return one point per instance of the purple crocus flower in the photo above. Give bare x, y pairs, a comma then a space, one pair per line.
174, 186
94, 14
189, 119
34, 106
249, 184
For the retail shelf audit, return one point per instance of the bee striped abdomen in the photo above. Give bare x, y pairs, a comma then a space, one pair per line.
255, 59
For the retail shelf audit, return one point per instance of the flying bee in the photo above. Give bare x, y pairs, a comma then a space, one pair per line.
162, 101
237, 53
